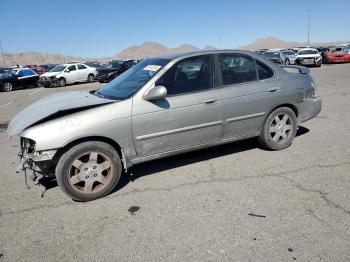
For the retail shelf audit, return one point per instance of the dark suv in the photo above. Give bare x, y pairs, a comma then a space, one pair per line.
113, 69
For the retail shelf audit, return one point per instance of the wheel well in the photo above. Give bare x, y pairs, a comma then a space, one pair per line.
291, 106
106, 140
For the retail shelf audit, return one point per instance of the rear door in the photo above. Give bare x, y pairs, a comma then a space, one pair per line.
27, 78
189, 115
83, 72
246, 95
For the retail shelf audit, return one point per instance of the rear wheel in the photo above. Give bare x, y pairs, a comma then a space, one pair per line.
91, 78
7, 87
89, 170
279, 129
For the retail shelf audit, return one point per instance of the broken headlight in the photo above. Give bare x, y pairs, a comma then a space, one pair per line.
27, 146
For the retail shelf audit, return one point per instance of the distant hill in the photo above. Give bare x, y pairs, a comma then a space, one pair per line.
273, 42
27, 58
147, 49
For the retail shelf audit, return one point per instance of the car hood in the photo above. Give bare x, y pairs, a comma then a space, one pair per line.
50, 74
308, 56
50, 105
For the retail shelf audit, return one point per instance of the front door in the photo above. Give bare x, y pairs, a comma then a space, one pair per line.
72, 76
187, 117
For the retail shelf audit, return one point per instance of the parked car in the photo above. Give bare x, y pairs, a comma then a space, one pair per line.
339, 54
308, 56
93, 64
160, 107
275, 57
11, 79
288, 57
323, 52
48, 67
113, 69
37, 69
64, 74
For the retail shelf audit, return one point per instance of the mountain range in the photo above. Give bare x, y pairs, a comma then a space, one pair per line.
147, 49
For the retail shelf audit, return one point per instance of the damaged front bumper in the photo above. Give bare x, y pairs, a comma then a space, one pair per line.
38, 163
48, 82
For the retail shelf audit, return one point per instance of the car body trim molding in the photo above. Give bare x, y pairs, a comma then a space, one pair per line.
178, 130
234, 119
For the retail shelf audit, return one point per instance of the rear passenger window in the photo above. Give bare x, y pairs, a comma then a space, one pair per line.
264, 72
81, 67
189, 75
236, 68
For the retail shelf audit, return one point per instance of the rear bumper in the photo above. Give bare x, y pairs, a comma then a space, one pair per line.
309, 109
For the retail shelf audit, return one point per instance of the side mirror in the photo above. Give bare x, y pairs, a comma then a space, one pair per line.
155, 93
67, 70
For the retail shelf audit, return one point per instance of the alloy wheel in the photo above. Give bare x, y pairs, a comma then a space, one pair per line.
90, 172
281, 128
7, 87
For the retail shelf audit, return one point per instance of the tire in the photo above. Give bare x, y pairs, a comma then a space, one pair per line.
82, 177
287, 62
7, 87
277, 135
61, 82
91, 78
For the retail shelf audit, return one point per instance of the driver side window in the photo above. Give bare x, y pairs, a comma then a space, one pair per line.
72, 68
189, 75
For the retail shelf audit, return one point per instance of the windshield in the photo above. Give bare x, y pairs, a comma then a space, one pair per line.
114, 64
129, 82
58, 68
308, 52
272, 55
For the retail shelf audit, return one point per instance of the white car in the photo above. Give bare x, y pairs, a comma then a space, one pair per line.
64, 74
288, 57
308, 56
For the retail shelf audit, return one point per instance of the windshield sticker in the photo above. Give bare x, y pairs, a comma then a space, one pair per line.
153, 68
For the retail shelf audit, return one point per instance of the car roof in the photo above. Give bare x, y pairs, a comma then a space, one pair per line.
173, 56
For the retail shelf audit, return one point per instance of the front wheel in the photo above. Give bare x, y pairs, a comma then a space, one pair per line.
7, 87
61, 82
287, 62
279, 129
89, 170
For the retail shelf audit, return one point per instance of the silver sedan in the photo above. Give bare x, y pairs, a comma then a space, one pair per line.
160, 107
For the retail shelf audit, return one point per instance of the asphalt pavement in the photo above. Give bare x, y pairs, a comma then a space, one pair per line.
235, 202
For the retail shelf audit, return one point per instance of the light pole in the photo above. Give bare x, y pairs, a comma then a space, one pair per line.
2, 52
308, 26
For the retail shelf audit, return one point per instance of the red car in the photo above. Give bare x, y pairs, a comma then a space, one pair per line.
340, 54
37, 69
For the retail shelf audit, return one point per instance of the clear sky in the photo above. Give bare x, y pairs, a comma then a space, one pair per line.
104, 27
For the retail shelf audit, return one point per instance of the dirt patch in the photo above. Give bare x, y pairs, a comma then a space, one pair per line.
3, 126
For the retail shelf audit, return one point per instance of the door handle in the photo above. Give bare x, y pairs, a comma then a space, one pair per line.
274, 89
210, 100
